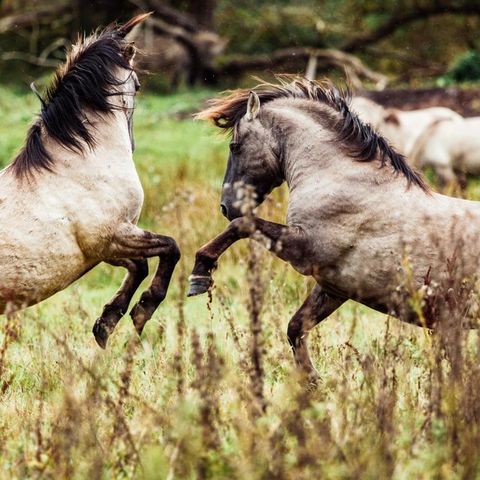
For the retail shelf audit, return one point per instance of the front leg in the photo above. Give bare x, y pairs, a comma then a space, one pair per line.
288, 243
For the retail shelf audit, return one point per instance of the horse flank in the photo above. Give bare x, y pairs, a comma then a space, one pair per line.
84, 82
359, 140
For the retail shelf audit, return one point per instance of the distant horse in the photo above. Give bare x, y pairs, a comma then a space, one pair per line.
401, 128
451, 148
72, 197
356, 209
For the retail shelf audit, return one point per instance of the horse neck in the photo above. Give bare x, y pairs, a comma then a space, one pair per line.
310, 155
317, 168
112, 151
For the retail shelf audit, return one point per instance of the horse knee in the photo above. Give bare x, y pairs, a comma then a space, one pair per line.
174, 252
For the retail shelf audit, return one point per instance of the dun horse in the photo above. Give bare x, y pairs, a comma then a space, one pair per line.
72, 197
356, 209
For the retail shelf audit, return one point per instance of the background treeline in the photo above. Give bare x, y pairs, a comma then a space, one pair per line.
413, 42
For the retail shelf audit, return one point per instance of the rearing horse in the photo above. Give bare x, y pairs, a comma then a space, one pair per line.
72, 197
356, 210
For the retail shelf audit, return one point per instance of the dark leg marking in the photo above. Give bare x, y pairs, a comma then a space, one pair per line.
133, 243
156, 292
317, 306
287, 243
114, 310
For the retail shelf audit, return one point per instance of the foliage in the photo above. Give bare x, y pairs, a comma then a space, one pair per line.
393, 401
466, 68
415, 51
266, 27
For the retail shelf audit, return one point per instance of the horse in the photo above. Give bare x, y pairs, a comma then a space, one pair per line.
402, 128
359, 217
451, 148
72, 197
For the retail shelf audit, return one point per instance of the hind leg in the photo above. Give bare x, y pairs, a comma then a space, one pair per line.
156, 292
113, 311
317, 306
133, 242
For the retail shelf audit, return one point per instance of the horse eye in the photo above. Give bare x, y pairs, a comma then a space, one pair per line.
234, 147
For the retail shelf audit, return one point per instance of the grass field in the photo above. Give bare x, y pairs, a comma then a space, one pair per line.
185, 401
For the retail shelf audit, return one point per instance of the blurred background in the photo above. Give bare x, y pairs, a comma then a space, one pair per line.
432, 45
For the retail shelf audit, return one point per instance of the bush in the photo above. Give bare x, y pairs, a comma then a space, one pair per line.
466, 68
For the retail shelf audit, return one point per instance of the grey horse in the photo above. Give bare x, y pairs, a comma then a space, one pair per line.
359, 218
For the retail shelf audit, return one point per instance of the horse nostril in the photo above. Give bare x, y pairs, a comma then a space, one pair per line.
223, 208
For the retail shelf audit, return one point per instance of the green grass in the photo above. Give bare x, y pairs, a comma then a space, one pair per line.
172, 407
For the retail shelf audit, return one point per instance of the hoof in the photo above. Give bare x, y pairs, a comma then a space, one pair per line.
308, 377
199, 284
139, 317
101, 333
313, 381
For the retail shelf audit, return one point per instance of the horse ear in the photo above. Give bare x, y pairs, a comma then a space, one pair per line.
129, 52
125, 29
253, 106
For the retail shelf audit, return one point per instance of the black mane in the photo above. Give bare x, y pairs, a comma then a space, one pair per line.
358, 139
83, 83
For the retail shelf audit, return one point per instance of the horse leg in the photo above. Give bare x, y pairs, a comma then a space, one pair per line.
288, 243
113, 311
151, 298
317, 306
446, 175
134, 242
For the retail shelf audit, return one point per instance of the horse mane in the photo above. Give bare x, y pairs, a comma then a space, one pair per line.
358, 139
83, 82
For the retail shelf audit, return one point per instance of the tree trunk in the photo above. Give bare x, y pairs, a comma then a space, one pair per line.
90, 14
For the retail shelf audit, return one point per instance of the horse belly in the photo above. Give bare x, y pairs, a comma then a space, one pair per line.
35, 265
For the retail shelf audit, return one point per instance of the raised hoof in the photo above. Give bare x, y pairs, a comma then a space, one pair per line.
101, 333
140, 317
198, 285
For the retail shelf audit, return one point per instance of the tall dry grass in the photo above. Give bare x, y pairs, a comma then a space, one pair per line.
222, 400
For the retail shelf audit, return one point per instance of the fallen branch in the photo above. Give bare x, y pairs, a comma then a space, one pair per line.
29, 58
463, 101
300, 55
41, 60
401, 18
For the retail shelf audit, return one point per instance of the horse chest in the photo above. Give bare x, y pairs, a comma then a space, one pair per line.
113, 197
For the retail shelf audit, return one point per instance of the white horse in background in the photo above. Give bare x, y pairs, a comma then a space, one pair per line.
401, 128
451, 148
72, 197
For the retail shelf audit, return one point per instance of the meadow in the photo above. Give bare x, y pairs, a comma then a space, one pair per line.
210, 390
